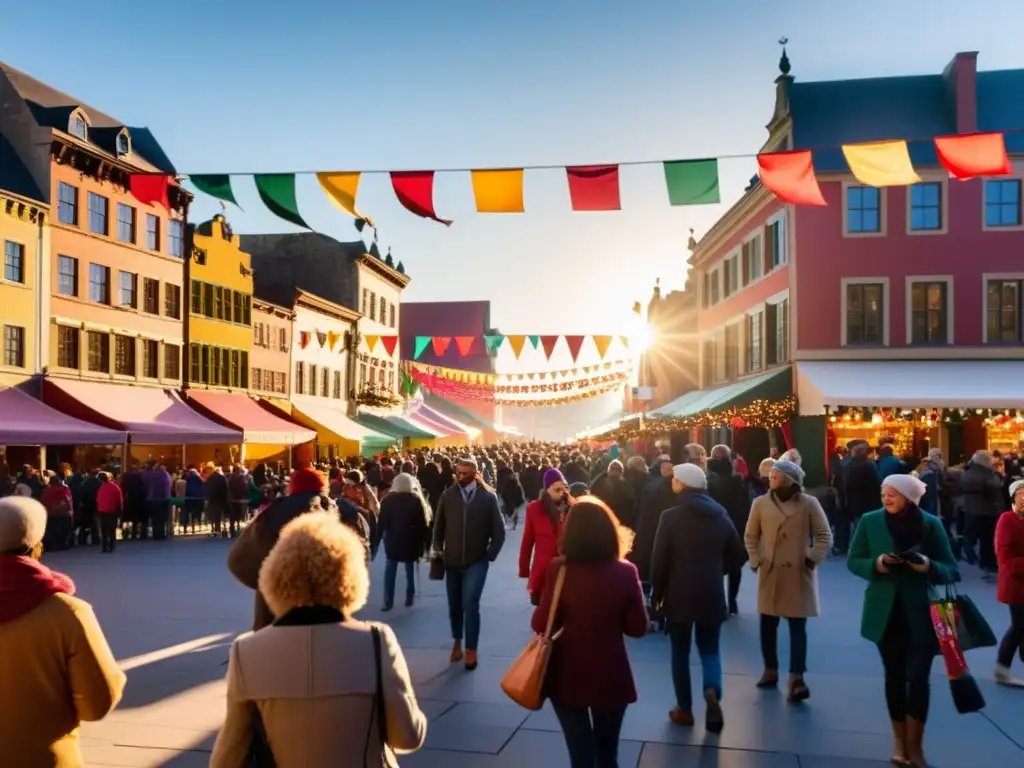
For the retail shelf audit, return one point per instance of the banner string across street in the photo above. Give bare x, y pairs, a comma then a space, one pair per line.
789, 175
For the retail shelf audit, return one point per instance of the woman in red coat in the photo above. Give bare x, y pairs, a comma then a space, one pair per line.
544, 518
1010, 557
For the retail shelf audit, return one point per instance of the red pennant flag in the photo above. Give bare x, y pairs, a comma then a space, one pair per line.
594, 187
790, 176
389, 343
548, 342
150, 189
575, 344
440, 344
973, 154
465, 344
415, 191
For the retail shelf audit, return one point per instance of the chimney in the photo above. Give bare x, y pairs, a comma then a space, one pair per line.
961, 85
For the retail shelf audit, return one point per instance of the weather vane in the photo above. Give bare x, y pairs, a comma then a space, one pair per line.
783, 40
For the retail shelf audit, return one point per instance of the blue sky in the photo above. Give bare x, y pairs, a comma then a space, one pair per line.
399, 84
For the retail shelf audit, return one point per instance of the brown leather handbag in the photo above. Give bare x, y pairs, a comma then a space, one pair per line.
524, 681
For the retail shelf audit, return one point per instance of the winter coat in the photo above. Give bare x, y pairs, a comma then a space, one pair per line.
358, 520
468, 534
217, 492
541, 535
430, 481
58, 668
109, 500
871, 539
57, 500
616, 493
1010, 556
786, 541
862, 486
695, 545
982, 489
403, 526
730, 491
194, 486
889, 465
658, 497
533, 482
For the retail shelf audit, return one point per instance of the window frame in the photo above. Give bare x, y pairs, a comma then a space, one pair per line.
176, 238
134, 287
172, 362
65, 205
105, 270
152, 242
61, 257
130, 233
1002, 277
883, 200
75, 334
748, 330
172, 301
154, 308
985, 226
949, 308
130, 346
943, 206
845, 284
103, 353
12, 333
105, 213
17, 254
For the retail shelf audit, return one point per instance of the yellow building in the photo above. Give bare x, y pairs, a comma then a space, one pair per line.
219, 332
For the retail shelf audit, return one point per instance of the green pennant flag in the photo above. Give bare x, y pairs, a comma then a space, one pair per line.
422, 342
535, 340
692, 182
215, 185
277, 191
493, 342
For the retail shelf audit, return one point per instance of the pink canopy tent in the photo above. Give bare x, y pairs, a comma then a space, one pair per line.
24, 420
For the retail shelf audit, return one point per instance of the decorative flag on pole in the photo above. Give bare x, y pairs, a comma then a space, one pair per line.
594, 187
389, 343
692, 182
534, 340
516, 342
415, 191
881, 163
150, 190
575, 344
341, 188
371, 342
790, 177
548, 342
277, 191
465, 344
972, 154
422, 342
216, 185
602, 343
440, 345
498, 191
493, 342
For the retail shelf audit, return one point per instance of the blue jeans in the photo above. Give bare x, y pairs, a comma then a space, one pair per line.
391, 576
681, 634
591, 737
465, 587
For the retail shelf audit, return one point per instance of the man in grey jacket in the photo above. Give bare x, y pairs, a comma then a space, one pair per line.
468, 533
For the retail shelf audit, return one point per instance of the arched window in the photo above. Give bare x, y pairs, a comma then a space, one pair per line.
124, 143
78, 125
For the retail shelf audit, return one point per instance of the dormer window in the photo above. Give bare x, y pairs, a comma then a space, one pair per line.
124, 143
79, 125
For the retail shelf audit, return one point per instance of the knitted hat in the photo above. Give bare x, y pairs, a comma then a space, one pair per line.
690, 475
1016, 485
907, 486
22, 523
790, 469
306, 481
553, 476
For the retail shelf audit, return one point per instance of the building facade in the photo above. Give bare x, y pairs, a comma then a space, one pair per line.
271, 359
219, 330
380, 298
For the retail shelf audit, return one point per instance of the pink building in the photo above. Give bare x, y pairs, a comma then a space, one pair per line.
889, 311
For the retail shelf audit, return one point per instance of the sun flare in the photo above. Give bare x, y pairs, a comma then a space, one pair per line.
641, 339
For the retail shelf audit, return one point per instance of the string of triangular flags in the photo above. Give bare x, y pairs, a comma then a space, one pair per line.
466, 385
330, 338
789, 175
439, 345
461, 376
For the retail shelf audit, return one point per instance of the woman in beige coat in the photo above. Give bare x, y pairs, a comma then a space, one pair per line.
322, 689
787, 537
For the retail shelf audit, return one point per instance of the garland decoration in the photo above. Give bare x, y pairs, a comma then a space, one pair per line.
373, 397
765, 414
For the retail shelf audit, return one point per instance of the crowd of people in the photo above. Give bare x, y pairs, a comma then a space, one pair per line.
664, 541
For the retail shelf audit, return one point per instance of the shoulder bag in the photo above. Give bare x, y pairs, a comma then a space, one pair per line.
524, 681
379, 714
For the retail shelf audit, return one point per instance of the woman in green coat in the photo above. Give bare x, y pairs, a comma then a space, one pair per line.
902, 552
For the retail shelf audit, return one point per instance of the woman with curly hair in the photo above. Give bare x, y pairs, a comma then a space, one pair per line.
317, 687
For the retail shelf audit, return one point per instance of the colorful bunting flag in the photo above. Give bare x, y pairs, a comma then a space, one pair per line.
332, 339
215, 185
548, 342
594, 187
516, 342
602, 343
973, 154
465, 344
321, 338
277, 191
790, 177
150, 189
534, 340
575, 344
341, 188
422, 342
625, 341
371, 342
498, 191
440, 345
493, 342
881, 163
692, 182
415, 191
303, 339
389, 343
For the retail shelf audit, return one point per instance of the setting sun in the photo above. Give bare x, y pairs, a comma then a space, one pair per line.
642, 338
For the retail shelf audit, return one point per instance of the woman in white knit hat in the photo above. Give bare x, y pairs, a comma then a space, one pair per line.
1010, 556
901, 551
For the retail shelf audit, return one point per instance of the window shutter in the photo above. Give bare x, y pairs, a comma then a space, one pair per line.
746, 263
770, 351
769, 248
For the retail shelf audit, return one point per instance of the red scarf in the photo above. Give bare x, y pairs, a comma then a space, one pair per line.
25, 583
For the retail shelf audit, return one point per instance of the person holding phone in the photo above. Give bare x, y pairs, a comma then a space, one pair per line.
901, 551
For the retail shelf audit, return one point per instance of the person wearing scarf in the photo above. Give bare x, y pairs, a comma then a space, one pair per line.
543, 530
902, 551
1010, 590
58, 668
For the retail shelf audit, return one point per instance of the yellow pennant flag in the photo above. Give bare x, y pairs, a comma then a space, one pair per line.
881, 163
371, 341
516, 342
602, 343
498, 191
341, 188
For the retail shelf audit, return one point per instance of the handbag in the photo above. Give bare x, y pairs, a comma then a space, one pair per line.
524, 681
967, 695
259, 755
436, 568
380, 710
972, 630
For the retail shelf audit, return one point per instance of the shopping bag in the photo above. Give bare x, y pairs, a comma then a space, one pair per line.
524, 681
964, 688
972, 630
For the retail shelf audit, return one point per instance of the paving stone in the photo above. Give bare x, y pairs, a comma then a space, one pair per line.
668, 756
539, 749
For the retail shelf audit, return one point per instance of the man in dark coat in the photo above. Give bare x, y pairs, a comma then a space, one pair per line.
611, 488
729, 490
695, 545
532, 479
982, 489
658, 495
216, 501
430, 480
863, 492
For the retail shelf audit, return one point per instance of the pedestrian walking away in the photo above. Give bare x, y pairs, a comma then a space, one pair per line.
1010, 558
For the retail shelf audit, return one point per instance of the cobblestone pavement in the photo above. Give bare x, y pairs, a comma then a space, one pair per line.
170, 610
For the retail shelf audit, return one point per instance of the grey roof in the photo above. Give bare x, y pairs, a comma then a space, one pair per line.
14, 176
